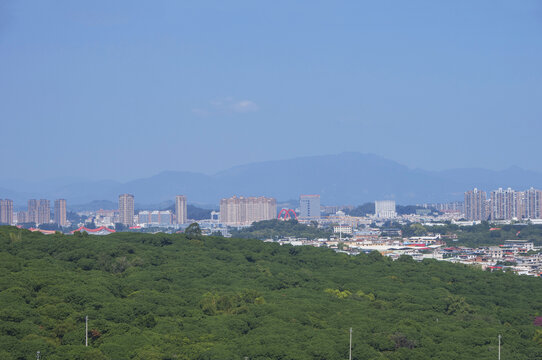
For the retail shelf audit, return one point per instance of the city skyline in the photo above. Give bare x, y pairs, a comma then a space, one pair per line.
478, 205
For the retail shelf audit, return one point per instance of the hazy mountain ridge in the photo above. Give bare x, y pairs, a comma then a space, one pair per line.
347, 178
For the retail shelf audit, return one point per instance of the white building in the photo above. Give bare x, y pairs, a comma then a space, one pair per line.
343, 229
156, 218
385, 209
309, 207
237, 211
180, 209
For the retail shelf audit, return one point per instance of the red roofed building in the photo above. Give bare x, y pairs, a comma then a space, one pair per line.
46, 232
102, 230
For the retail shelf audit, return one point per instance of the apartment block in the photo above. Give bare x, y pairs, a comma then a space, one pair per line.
246, 210
180, 209
60, 213
475, 205
126, 209
6, 212
155, 217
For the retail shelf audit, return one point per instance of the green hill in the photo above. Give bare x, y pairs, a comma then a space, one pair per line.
177, 297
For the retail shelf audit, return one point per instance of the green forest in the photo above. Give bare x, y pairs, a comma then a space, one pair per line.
275, 229
177, 296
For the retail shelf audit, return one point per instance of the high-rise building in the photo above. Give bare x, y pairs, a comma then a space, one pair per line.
246, 210
126, 209
385, 209
230, 211
309, 207
475, 205
32, 213
22, 217
60, 213
532, 204
39, 211
505, 204
6, 212
180, 209
44, 212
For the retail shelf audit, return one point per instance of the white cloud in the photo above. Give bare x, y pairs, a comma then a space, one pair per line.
244, 106
227, 105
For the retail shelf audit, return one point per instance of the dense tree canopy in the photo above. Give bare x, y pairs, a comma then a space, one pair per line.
273, 229
174, 296
362, 210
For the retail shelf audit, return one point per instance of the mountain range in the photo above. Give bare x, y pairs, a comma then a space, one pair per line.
346, 178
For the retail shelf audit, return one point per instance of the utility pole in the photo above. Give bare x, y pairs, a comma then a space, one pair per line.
499, 346
86, 330
350, 354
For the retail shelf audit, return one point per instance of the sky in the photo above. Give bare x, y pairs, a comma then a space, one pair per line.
127, 89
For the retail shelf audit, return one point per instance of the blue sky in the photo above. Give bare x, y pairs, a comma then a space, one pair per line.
126, 89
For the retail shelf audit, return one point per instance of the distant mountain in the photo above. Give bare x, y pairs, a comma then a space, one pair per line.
513, 177
94, 205
347, 178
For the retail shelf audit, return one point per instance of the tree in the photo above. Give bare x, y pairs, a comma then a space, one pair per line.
193, 230
418, 229
362, 210
120, 226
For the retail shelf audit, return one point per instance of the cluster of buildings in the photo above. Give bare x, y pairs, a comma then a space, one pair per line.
235, 211
519, 256
351, 234
128, 218
456, 207
503, 204
310, 209
39, 212
238, 211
